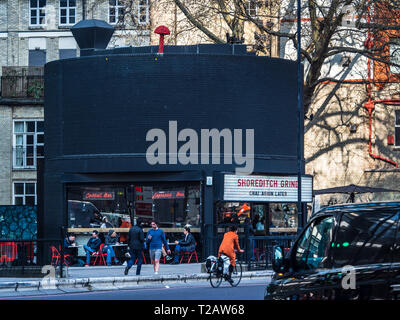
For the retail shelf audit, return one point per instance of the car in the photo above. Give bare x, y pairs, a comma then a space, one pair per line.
345, 252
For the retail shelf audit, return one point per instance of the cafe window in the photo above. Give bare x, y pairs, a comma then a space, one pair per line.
282, 217
232, 212
173, 206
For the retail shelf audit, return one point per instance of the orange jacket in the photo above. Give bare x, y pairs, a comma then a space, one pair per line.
229, 243
124, 236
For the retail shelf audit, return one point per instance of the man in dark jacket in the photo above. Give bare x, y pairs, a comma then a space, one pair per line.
136, 245
187, 244
92, 246
110, 240
70, 248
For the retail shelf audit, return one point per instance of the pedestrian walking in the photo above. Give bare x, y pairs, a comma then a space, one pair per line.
136, 245
155, 239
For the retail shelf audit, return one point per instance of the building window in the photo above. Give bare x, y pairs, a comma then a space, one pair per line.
67, 12
143, 12
394, 49
24, 193
67, 53
28, 143
397, 128
252, 8
37, 9
37, 58
116, 11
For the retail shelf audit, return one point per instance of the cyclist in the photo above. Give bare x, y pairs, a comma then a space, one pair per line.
228, 246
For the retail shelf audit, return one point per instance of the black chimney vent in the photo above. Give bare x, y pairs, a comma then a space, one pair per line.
92, 35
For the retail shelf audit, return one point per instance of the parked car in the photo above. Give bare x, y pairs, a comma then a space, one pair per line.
345, 252
81, 213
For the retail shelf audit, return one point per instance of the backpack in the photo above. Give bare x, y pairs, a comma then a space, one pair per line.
211, 264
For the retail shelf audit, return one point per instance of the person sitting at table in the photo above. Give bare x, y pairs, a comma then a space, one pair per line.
92, 246
187, 244
106, 223
110, 240
96, 220
69, 244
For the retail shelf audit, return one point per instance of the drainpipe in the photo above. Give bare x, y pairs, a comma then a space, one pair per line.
83, 9
370, 105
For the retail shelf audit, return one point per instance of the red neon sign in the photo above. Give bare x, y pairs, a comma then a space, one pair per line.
98, 195
168, 195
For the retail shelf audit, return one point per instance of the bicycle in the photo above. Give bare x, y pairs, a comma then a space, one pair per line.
218, 272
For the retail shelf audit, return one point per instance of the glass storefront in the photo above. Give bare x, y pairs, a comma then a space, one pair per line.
264, 217
173, 206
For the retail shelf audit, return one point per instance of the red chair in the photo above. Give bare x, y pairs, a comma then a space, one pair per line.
8, 251
144, 258
100, 254
56, 255
189, 255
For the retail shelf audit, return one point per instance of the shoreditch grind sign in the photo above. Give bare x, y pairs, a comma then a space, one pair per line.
266, 188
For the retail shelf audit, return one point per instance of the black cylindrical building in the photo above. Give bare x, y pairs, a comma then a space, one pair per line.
133, 133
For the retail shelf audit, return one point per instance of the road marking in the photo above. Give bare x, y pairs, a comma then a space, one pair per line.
121, 290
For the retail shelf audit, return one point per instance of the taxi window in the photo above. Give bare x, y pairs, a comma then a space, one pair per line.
312, 249
364, 237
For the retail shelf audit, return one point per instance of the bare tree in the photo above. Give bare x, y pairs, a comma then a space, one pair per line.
325, 34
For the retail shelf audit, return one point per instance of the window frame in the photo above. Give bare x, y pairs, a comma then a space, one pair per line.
37, 15
24, 182
68, 16
311, 225
117, 8
393, 69
24, 145
147, 8
249, 9
334, 255
396, 112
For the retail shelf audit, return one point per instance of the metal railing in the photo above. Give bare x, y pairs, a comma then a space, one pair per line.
258, 249
27, 257
22, 82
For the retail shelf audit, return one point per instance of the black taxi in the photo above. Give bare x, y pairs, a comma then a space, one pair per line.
345, 252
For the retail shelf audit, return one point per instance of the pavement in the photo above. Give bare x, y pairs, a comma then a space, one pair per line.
84, 279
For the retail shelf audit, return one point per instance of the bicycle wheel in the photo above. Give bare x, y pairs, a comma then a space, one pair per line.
215, 280
236, 274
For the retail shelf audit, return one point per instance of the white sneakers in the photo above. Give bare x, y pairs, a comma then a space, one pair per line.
155, 272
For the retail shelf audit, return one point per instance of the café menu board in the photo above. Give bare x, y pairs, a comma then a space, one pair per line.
266, 188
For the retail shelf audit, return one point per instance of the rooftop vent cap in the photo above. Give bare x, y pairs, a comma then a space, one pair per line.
92, 34
162, 31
